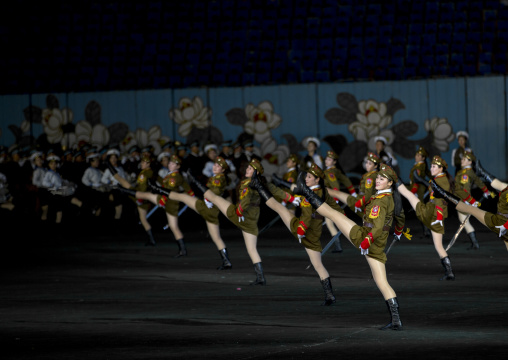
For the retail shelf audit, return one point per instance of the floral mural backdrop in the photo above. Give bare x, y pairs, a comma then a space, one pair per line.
363, 120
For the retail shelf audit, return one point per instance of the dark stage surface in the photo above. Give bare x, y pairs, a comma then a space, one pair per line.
104, 295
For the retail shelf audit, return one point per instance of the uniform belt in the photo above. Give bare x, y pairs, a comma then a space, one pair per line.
317, 216
371, 225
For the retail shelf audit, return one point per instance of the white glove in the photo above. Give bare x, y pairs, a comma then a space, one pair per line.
300, 237
397, 236
440, 222
502, 230
241, 218
296, 201
486, 194
283, 203
357, 209
363, 251
354, 194
208, 203
476, 203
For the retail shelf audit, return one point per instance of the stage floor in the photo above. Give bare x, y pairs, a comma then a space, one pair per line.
92, 294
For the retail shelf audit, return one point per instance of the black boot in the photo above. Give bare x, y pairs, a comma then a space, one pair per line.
441, 193
256, 184
393, 309
417, 178
260, 277
183, 250
226, 264
448, 269
426, 231
303, 189
280, 182
474, 242
156, 189
481, 172
327, 287
195, 181
127, 191
338, 247
151, 240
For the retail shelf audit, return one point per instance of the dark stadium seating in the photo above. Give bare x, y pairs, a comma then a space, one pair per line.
117, 45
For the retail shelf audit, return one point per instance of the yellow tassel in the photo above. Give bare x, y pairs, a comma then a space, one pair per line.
407, 234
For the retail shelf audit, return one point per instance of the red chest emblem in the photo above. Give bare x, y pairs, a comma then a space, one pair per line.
374, 212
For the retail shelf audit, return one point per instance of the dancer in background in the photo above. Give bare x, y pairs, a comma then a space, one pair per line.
421, 168
464, 181
208, 211
307, 228
433, 213
244, 214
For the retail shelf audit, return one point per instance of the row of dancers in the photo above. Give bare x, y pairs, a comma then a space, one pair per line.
377, 203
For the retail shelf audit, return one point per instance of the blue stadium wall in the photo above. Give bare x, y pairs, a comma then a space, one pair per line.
410, 113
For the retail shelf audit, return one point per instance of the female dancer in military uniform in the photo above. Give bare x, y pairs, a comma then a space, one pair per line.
464, 181
174, 181
367, 184
208, 211
143, 206
244, 214
420, 166
307, 228
372, 236
433, 213
497, 223
333, 177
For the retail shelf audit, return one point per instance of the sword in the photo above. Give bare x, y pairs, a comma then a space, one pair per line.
269, 225
152, 210
179, 213
325, 249
395, 239
461, 227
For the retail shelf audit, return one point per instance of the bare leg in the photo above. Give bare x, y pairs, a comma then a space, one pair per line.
413, 199
333, 230
44, 215
147, 196
315, 259
251, 245
214, 232
76, 201
186, 199
474, 211
378, 270
58, 219
438, 244
280, 209
498, 185
340, 220
469, 228
118, 212
173, 225
342, 196
218, 201
142, 218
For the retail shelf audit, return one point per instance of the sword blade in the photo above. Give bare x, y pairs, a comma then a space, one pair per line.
269, 225
393, 242
325, 249
461, 227
179, 213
